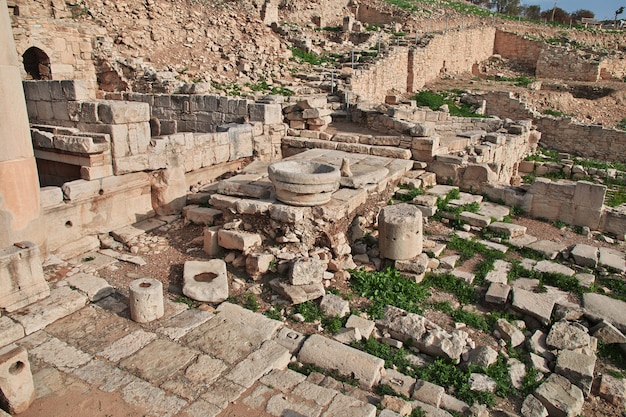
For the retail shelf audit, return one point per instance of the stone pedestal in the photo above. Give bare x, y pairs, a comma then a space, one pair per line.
400, 232
17, 390
21, 276
146, 300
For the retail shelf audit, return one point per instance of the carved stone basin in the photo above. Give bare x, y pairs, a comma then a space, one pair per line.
304, 183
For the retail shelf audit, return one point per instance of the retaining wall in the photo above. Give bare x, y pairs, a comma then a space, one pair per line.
522, 51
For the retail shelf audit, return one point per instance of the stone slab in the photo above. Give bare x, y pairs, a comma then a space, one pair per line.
560, 397
127, 233
585, 255
10, 331
223, 392
201, 215
159, 360
539, 306
95, 288
62, 302
282, 379
508, 229
61, 355
522, 241
154, 400
282, 405
346, 406
319, 395
205, 281
498, 293
233, 333
612, 259
500, 272
135, 260
269, 356
600, 307
329, 354
553, 267
104, 376
496, 211
127, 345
179, 325
547, 248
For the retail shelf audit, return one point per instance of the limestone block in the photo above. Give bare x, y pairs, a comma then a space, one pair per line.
474, 219
201, 215
238, 240
365, 326
508, 229
240, 140
81, 190
298, 294
50, 196
206, 281
95, 288
566, 335
607, 333
553, 267
121, 112
266, 113
498, 293
146, 300
312, 102
577, 368
613, 390
333, 305
17, 389
532, 407
612, 259
258, 264
306, 271
509, 332
42, 139
316, 113
21, 276
560, 397
10, 331
169, 188
585, 255
400, 231
428, 393
329, 354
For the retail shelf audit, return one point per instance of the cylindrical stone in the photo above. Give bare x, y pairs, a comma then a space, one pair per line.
17, 389
400, 232
146, 300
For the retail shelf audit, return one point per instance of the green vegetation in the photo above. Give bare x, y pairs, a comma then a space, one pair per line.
250, 302
388, 287
273, 313
308, 369
471, 319
434, 100
312, 312
230, 89
555, 113
468, 249
302, 56
613, 354
410, 195
621, 124
464, 292
263, 86
522, 81
188, 301
88, 259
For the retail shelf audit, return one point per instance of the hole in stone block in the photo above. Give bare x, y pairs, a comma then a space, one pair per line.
205, 277
145, 285
100, 192
68, 224
17, 367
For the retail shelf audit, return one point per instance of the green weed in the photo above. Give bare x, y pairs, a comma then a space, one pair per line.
188, 301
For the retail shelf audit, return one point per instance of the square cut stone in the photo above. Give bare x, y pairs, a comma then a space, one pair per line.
508, 229
159, 360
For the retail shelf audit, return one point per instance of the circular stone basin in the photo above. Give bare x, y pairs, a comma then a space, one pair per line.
304, 183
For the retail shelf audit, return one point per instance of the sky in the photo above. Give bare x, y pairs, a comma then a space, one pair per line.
603, 9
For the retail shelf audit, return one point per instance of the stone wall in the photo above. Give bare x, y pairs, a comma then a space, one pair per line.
69, 45
557, 62
577, 203
612, 69
407, 69
561, 133
520, 50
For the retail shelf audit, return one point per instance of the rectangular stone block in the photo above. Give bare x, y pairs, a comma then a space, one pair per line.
329, 354
266, 113
22, 280
238, 240
119, 112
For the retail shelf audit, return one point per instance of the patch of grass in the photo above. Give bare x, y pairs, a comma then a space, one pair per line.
461, 316
464, 292
612, 353
273, 314
302, 56
250, 302
544, 155
410, 195
530, 382
388, 287
617, 287
188, 301
434, 100
88, 259
559, 224
333, 324
418, 412
522, 81
555, 113
309, 310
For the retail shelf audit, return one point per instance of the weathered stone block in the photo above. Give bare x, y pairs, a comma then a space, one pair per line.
238, 240
17, 389
206, 281
266, 113
21, 276
121, 112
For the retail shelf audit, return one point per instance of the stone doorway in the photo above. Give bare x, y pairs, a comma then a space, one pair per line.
37, 64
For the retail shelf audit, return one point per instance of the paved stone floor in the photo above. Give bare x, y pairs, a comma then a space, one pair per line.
230, 362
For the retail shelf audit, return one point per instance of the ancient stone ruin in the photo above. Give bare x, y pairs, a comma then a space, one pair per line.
314, 244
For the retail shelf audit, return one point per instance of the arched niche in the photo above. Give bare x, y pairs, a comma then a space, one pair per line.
37, 64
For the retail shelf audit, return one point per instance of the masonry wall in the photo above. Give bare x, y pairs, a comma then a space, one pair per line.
69, 46
565, 64
560, 133
409, 69
613, 69
517, 49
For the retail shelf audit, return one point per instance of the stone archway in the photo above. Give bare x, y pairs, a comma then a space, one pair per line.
37, 64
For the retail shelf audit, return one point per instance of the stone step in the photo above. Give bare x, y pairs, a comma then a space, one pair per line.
376, 150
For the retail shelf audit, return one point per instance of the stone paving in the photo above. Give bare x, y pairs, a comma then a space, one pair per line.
189, 363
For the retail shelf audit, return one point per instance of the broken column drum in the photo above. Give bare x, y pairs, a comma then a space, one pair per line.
400, 232
304, 183
146, 300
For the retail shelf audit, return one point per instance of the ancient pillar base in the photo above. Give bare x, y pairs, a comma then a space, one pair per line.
22, 280
146, 300
400, 232
17, 390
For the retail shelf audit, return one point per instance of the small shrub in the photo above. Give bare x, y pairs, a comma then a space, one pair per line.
273, 314
309, 310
